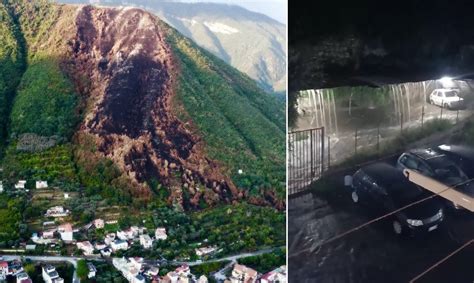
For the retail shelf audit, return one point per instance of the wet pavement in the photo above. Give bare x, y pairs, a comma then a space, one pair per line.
373, 253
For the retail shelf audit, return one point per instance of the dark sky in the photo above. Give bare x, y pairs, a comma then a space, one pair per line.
312, 19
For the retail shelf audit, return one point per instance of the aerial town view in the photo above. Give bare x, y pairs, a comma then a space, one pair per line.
130, 152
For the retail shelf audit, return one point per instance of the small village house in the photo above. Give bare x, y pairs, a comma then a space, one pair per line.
119, 245
66, 232
41, 184
243, 274
20, 185
145, 241
160, 234
86, 247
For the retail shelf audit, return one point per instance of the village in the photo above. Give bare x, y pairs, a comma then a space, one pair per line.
110, 245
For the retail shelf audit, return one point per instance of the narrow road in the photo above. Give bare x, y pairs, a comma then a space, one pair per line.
220, 275
73, 260
227, 258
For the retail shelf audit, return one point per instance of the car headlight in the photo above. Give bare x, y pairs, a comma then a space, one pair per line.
414, 222
439, 214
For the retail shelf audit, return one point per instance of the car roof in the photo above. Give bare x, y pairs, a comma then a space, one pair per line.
433, 157
384, 173
426, 153
445, 89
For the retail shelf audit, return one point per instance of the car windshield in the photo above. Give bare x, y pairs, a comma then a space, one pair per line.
450, 94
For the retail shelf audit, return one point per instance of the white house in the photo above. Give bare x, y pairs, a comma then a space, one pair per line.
20, 185
41, 184
1, 187
277, 275
49, 234
146, 241
133, 231
205, 251
183, 270
128, 270
86, 247
92, 270
99, 223
160, 234
109, 238
57, 211
136, 262
242, 273
3, 269
50, 275
122, 235
66, 232
119, 245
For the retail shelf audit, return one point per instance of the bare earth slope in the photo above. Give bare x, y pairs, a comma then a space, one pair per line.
124, 54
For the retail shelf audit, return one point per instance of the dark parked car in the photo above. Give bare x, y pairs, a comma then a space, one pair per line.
439, 166
385, 188
463, 156
432, 163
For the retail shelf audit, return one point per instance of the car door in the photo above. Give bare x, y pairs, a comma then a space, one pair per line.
433, 96
441, 98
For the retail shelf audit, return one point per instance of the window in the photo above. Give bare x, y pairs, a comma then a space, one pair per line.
424, 169
450, 94
411, 163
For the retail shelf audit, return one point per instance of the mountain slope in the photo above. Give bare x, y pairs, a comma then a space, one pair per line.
251, 42
156, 116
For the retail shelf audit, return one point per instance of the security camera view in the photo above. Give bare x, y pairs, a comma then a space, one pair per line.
381, 144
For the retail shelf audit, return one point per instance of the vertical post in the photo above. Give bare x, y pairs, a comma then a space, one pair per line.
441, 116
355, 142
329, 152
401, 122
322, 149
378, 138
289, 159
422, 116
457, 116
311, 133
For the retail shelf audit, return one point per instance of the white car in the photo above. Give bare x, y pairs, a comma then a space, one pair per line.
447, 98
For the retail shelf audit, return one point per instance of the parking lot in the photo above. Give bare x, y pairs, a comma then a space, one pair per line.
373, 253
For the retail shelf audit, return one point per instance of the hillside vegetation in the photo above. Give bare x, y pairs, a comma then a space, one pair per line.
243, 127
12, 64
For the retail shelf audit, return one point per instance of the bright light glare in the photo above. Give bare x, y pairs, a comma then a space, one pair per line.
446, 81
444, 147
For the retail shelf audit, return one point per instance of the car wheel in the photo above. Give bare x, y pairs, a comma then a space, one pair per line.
431, 101
445, 105
397, 227
355, 197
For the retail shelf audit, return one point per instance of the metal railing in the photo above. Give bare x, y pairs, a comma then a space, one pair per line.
306, 158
